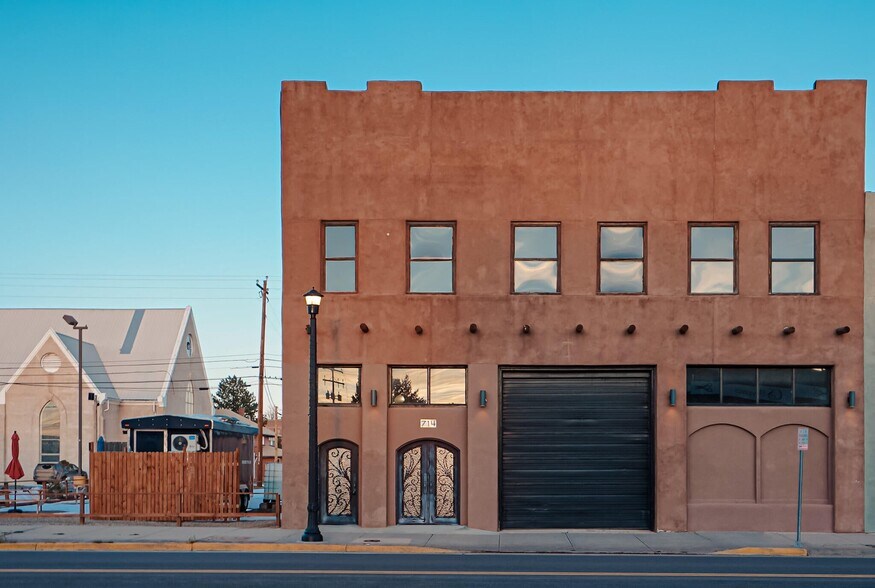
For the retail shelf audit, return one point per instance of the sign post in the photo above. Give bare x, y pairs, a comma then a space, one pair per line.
802, 446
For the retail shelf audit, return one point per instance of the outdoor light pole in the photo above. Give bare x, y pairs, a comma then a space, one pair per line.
75, 324
312, 533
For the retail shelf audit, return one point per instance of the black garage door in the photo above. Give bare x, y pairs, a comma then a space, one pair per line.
576, 449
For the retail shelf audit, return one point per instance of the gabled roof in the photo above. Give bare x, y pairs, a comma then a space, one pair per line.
128, 354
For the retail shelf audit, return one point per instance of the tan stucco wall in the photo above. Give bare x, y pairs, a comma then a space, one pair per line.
393, 154
188, 370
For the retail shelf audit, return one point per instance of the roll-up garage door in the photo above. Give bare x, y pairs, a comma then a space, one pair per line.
576, 449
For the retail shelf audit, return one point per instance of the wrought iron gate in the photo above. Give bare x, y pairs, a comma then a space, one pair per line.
338, 470
428, 483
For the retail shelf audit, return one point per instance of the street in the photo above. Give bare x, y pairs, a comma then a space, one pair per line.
112, 568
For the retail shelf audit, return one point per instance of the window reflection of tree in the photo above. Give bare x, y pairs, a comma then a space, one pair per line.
403, 393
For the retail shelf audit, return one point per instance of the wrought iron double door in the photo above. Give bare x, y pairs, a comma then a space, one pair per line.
339, 482
428, 483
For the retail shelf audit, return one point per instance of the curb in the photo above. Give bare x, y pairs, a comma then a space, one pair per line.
203, 547
779, 551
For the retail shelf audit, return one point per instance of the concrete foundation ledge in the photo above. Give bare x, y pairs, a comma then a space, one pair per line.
196, 546
782, 551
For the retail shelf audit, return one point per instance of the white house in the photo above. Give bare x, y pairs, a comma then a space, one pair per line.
136, 363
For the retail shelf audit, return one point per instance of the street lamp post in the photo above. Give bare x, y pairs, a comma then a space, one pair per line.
312, 533
75, 324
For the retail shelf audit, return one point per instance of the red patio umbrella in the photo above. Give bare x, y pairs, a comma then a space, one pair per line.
14, 470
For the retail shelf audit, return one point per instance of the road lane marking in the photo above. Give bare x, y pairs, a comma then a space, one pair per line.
441, 573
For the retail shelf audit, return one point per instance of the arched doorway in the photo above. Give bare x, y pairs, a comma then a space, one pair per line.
428, 483
338, 472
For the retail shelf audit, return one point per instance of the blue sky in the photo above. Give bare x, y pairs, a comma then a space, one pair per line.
139, 141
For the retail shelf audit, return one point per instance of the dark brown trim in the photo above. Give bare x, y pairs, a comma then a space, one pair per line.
800, 224
325, 259
557, 259
452, 225
642, 259
427, 369
734, 260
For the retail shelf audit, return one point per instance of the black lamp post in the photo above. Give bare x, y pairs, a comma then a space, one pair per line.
312, 533
75, 324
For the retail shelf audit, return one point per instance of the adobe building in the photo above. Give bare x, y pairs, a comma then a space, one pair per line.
576, 309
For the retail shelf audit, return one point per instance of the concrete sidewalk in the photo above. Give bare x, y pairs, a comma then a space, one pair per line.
39, 534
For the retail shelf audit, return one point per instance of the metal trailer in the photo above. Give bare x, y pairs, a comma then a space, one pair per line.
169, 433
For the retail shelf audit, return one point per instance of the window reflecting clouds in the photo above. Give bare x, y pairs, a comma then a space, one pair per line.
431, 242
536, 261
339, 276
431, 260
792, 242
535, 242
793, 277
434, 277
340, 259
712, 242
428, 385
622, 242
622, 277
535, 276
712, 260
340, 241
793, 260
712, 277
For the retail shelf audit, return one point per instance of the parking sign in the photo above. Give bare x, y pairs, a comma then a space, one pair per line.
802, 439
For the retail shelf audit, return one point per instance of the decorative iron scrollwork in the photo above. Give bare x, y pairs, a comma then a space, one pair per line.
445, 483
339, 478
411, 483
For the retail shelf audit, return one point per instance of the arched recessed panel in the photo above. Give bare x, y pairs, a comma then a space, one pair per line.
50, 433
721, 464
428, 483
338, 470
780, 460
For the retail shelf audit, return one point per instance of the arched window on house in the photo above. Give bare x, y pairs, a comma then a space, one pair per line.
189, 399
50, 433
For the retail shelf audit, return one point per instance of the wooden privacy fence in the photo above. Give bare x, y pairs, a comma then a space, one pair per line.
165, 486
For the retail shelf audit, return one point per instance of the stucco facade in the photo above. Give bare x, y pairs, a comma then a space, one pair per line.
743, 154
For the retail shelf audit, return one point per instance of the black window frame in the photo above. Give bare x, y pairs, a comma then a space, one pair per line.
757, 403
326, 259
428, 369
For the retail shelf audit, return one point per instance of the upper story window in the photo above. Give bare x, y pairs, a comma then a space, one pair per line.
621, 258
339, 384
712, 259
782, 386
431, 258
536, 259
340, 257
793, 258
430, 385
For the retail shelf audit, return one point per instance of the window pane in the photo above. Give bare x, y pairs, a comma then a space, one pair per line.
712, 243
340, 276
339, 385
622, 242
447, 386
793, 277
431, 242
712, 277
776, 386
792, 242
622, 276
534, 242
431, 276
739, 385
409, 385
535, 276
51, 445
703, 385
340, 241
813, 386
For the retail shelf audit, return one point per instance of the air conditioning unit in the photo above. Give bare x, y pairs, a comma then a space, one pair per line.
183, 443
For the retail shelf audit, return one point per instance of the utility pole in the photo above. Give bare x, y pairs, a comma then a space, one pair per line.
259, 474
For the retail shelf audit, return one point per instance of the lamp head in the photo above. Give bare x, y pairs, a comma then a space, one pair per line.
70, 320
313, 300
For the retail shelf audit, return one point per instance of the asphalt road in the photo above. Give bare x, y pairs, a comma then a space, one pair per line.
164, 569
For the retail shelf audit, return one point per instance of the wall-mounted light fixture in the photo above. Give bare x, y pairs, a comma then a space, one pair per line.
483, 399
473, 327
852, 399
418, 329
373, 398
789, 330
672, 397
683, 329
630, 329
737, 330
578, 329
843, 330
364, 328
526, 329
307, 328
